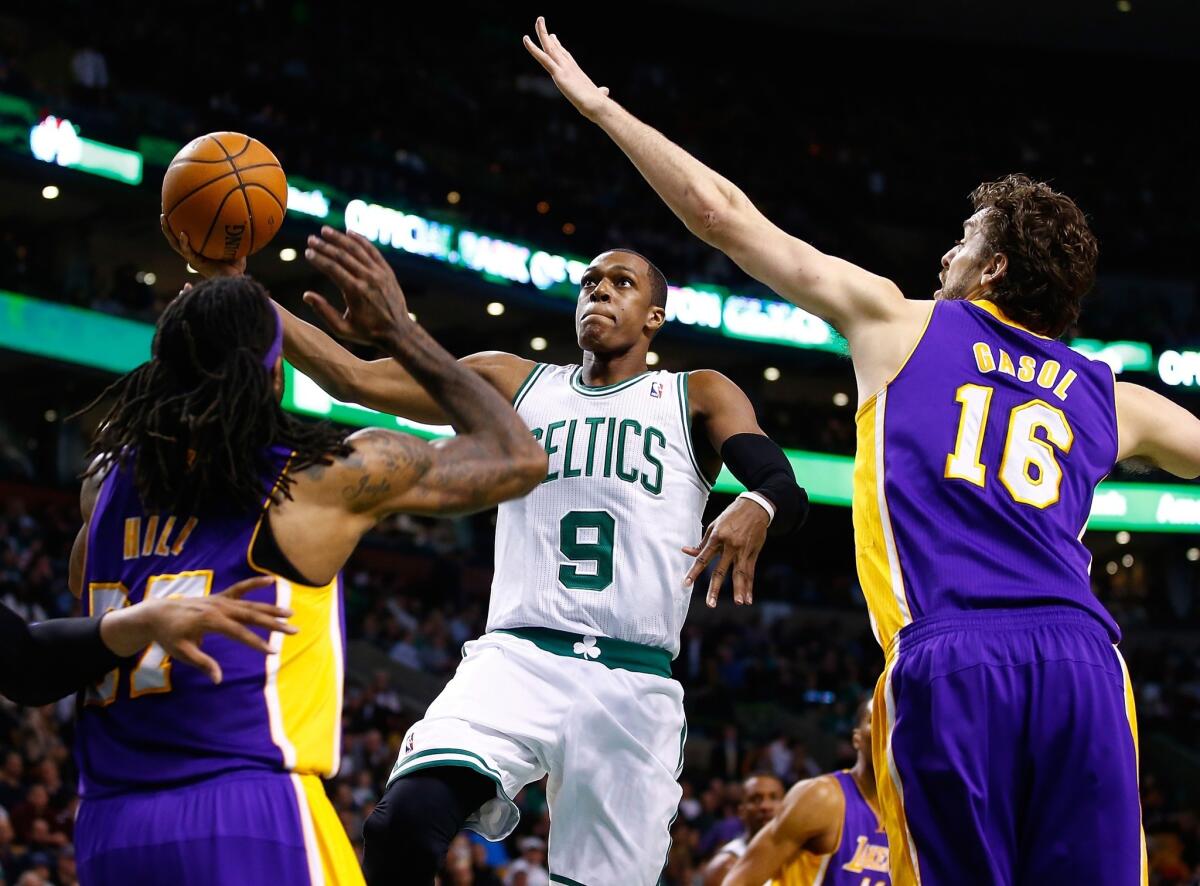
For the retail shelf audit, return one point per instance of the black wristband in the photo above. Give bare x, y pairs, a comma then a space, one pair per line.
760, 465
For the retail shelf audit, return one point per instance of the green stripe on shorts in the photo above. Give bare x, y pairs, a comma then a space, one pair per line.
559, 878
614, 654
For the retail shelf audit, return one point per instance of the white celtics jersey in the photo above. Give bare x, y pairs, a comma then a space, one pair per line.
595, 549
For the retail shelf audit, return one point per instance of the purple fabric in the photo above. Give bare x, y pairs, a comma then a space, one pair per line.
196, 730
863, 845
965, 547
277, 344
236, 829
1012, 746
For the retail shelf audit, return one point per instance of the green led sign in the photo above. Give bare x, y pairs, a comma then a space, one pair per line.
56, 141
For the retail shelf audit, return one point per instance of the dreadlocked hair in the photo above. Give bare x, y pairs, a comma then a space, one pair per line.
198, 418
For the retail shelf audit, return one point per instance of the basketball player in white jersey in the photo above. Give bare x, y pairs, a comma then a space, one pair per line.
592, 584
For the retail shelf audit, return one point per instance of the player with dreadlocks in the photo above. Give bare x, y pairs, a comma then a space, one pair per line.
200, 479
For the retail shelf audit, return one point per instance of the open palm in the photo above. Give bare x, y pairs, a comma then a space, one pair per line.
586, 96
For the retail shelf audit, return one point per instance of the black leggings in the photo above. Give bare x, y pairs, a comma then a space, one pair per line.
406, 837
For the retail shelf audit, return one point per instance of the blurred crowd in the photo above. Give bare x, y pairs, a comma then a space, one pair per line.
769, 689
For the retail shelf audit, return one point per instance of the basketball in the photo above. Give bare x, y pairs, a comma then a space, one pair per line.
227, 192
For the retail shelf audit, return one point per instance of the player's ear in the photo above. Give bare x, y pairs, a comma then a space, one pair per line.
995, 269
277, 378
655, 318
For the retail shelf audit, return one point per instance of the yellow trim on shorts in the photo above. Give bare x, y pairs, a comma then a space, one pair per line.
331, 859
1131, 717
902, 855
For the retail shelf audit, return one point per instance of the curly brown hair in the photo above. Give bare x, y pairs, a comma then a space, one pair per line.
1051, 252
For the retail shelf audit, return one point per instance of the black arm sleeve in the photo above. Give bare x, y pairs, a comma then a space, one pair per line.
40, 664
760, 465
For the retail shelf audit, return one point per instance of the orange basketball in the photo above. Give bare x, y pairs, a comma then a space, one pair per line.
227, 192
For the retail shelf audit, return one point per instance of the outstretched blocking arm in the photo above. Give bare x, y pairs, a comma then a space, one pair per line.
1152, 428
810, 818
720, 214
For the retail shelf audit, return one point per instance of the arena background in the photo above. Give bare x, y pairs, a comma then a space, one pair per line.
858, 125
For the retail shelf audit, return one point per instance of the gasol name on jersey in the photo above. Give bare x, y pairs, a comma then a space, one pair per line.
606, 447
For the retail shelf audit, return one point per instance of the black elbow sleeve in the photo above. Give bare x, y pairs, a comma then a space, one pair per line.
760, 465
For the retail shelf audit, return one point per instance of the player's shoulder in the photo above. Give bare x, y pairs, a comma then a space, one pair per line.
504, 371
708, 390
821, 791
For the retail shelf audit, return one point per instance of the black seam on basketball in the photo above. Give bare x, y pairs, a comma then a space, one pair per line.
249, 215
242, 187
270, 194
216, 215
233, 171
225, 150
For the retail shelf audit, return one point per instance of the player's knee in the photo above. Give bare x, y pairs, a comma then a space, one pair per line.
398, 830
406, 837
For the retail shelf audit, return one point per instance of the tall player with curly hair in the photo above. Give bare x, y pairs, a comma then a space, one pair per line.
1005, 743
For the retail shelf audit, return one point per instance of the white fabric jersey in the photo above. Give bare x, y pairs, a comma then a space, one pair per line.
595, 549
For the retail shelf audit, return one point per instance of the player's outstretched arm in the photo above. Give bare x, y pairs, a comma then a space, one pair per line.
1152, 428
720, 214
384, 385
724, 414
41, 663
810, 818
492, 458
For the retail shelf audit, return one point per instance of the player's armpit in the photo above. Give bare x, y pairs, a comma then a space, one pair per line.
390, 473
1151, 427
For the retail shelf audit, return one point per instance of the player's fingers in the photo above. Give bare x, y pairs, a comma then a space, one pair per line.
349, 244
691, 550
260, 615
604, 90
336, 251
323, 262
243, 587
720, 568
268, 609
168, 233
743, 578
536, 51
370, 250
236, 631
707, 551
189, 653
329, 315
542, 34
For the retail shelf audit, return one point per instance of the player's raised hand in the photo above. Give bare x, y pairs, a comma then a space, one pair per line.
206, 267
179, 624
572, 82
732, 541
375, 303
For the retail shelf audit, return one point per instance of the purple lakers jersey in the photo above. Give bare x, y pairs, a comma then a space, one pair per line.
861, 858
154, 723
975, 472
